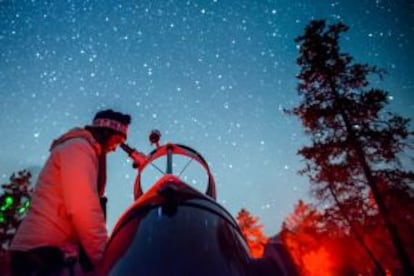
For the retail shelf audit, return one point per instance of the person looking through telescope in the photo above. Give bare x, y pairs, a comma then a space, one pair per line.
66, 220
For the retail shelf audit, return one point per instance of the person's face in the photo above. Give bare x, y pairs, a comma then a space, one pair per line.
113, 142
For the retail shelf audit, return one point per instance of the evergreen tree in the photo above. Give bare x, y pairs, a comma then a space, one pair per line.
252, 232
355, 145
14, 203
302, 233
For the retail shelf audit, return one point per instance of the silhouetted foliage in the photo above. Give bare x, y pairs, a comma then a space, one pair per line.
353, 160
14, 203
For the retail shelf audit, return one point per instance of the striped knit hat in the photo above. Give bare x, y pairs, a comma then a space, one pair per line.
113, 120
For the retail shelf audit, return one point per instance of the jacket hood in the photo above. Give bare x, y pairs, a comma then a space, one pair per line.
77, 133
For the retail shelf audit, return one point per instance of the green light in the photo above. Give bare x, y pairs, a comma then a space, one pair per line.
8, 202
2, 218
27, 204
24, 208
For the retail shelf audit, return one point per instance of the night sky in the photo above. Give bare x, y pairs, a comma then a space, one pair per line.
214, 75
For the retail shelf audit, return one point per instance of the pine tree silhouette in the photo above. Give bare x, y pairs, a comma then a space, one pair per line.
355, 144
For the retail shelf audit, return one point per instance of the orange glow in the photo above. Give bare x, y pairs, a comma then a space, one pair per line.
256, 249
317, 259
317, 262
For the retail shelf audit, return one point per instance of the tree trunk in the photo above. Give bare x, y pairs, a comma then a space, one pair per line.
395, 237
358, 238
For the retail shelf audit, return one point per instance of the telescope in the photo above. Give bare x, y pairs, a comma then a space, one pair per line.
175, 229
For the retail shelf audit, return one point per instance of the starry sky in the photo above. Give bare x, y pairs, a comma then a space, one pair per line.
215, 75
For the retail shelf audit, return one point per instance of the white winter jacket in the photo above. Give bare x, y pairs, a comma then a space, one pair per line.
65, 209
